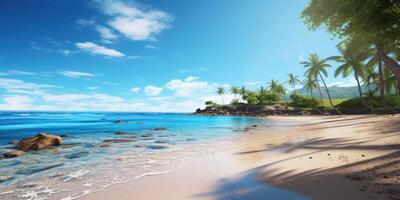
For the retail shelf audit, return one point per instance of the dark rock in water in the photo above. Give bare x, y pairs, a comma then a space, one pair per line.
119, 140
56, 175
161, 141
139, 145
71, 145
156, 147
190, 139
147, 135
254, 126
38, 169
120, 122
13, 154
120, 133
160, 129
5, 178
163, 136
77, 155
28, 185
14, 142
39, 141
105, 145
64, 135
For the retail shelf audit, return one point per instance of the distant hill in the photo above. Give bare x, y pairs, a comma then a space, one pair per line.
335, 91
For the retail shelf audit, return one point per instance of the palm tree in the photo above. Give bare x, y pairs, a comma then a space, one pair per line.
310, 85
221, 92
352, 58
391, 82
293, 80
315, 68
242, 92
273, 85
235, 90
276, 88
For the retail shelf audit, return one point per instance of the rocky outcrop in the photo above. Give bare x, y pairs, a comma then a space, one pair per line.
39, 141
160, 129
13, 154
257, 110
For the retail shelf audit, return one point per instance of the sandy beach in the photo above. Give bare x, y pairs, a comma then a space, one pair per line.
324, 157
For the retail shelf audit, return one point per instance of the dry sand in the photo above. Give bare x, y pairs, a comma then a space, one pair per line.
328, 157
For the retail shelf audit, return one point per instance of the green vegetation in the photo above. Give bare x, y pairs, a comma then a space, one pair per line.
369, 52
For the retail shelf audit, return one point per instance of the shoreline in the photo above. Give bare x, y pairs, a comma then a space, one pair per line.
308, 157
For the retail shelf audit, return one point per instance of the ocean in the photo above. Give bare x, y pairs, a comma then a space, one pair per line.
154, 142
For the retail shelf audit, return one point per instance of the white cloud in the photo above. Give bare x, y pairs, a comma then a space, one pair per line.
351, 82
64, 97
107, 34
85, 22
93, 48
151, 90
150, 46
17, 73
75, 74
16, 103
135, 89
92, 87
133, 22
187, 86
22, 87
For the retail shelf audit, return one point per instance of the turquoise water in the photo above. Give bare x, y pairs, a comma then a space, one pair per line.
80, 166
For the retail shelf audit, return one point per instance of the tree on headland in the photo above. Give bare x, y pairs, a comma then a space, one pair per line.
221, 92
371, 22
293, 80
243, 92
276, 88
315, 68
235, 91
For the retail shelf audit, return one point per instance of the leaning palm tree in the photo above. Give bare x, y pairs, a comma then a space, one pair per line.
316, 67
273, 85
310, 85
352, 58
221, 92
242, 92
235, 91
293, 80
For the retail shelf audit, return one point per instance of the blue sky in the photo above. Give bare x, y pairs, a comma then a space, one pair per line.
147, 55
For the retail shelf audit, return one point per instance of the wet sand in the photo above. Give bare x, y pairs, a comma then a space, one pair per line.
328, 157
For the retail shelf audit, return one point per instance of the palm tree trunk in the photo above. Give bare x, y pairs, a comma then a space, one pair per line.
320, 94
390, 63
326, 88
359, 86
398, 86
312, 96
381, 83
222, 97
294, 89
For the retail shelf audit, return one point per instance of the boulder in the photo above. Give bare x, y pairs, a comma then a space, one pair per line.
39, 141
13, 154
268, 108
103, 145
160, 129
118, 140
120, 133
5, 178
120, 122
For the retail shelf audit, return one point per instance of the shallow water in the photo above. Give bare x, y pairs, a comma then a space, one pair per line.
81, 166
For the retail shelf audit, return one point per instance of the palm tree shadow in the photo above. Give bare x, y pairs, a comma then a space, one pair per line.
246, 187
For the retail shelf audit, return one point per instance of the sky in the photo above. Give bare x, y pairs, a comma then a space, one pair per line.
148, 55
